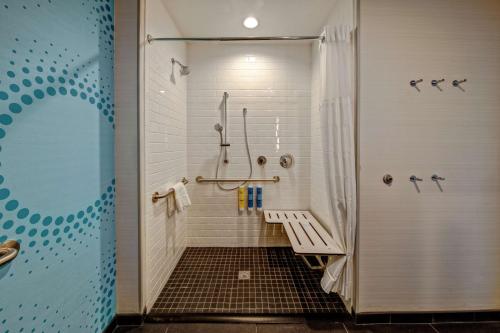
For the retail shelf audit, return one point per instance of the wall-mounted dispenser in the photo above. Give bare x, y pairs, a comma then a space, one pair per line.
250, 198
241, 199
259, 198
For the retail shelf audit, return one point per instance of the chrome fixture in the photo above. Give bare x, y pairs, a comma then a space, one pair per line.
225, 97
157, 196
286, 161
8, 251
201, 179
437, 178
150, 38
218, 127
457, 83
414, 83
184, 69
261, 160
387, 179
435, 83
415, 179
224, 145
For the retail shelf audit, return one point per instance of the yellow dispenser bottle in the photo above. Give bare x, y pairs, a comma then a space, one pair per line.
241, 199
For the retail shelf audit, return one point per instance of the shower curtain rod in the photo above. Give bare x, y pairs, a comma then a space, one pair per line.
150, 38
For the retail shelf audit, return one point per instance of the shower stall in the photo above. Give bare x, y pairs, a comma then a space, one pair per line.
236, 114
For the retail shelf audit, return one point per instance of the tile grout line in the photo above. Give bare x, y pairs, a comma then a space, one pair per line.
435, 329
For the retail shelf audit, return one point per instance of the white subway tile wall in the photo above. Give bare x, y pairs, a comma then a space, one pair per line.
273, 81
165, 149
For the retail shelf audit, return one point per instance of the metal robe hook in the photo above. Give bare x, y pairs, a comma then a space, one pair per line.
436, 83
436, 178
457, 83
414, 84
415, 179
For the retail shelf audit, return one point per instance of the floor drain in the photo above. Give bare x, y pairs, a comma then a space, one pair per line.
244, 275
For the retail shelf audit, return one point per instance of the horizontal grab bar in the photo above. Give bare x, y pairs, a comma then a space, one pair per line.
201, 179
8, 251
157, 196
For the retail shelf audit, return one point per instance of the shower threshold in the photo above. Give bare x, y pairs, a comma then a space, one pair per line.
244, 284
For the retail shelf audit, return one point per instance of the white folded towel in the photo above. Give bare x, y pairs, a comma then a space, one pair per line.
181, 197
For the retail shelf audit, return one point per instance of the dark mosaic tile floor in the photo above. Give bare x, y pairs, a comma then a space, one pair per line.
206, 280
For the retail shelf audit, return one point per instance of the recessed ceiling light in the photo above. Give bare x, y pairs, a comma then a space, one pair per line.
250, 22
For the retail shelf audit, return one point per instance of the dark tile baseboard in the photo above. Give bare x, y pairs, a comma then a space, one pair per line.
124, 320
427, 318
393, 319
111, 326
129, 320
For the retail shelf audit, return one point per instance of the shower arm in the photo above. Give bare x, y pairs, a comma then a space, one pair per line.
175, 61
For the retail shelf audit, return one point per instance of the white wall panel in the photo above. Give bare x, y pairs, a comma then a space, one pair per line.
433, 250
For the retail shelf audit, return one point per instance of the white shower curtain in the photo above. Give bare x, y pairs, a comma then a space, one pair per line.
337, 93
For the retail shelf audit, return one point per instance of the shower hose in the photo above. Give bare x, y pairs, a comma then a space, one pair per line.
248, 155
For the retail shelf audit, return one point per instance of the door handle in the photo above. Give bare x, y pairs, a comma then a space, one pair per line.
8, 251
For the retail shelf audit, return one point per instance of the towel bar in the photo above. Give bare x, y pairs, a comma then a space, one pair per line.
157, 196
201, 179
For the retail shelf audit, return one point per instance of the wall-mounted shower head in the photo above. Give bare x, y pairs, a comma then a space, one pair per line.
184, 69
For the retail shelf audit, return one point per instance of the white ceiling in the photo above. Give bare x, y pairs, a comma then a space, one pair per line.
224, 18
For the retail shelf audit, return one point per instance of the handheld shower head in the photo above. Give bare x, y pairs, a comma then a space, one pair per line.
218, 127
184, 69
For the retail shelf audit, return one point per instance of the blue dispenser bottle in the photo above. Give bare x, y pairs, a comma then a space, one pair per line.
259, 198
250, 198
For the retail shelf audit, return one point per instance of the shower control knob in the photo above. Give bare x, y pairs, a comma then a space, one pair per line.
387, 179
286, 161
436, 178
414, 179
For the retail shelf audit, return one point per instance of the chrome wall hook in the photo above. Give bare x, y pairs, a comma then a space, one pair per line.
415, 179
414, 83
457, 83
435, 83
436, 178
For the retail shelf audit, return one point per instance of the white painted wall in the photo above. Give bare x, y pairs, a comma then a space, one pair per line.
433, 250
165, 149
273, 82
